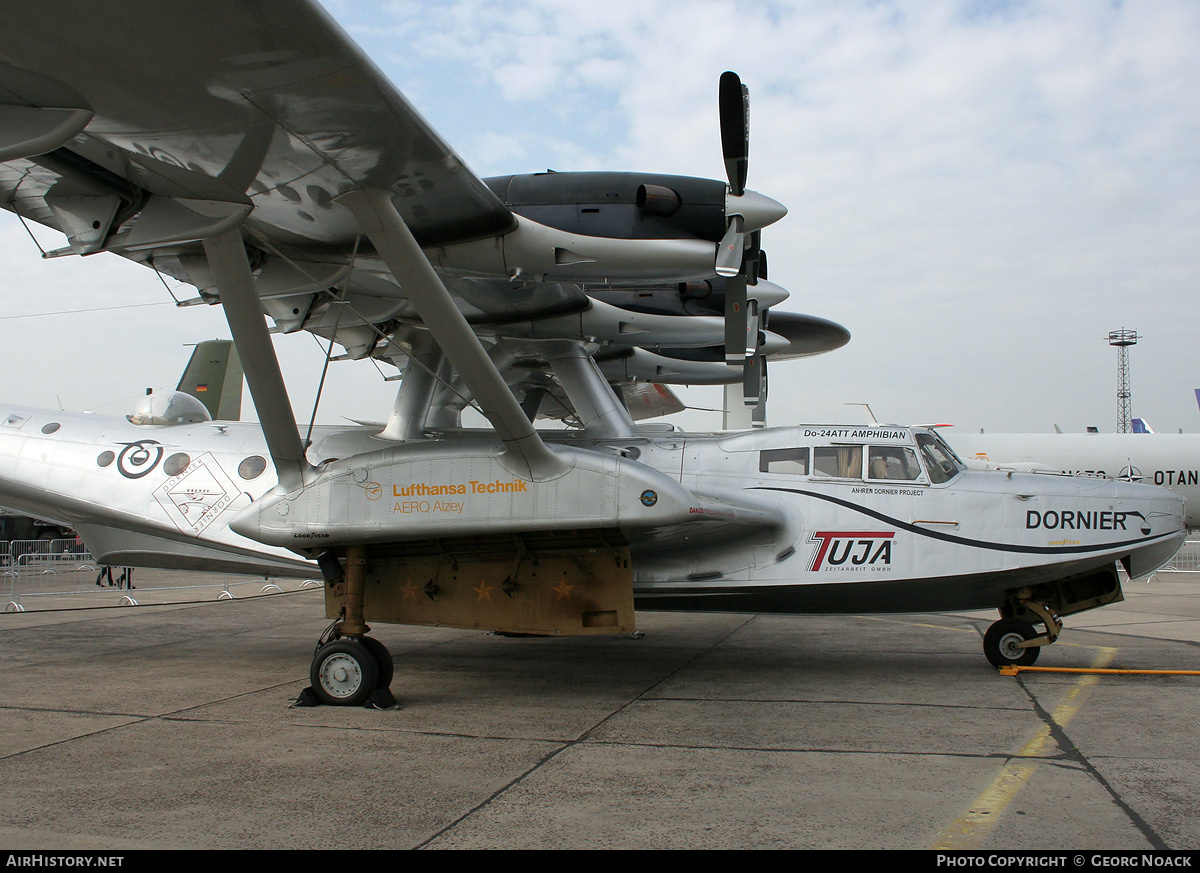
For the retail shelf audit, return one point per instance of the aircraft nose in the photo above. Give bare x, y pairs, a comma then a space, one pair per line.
757, 210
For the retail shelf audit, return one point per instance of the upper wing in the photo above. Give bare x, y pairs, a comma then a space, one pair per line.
265, 104
144, 127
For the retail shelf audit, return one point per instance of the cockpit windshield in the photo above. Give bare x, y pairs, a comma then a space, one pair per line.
942, 463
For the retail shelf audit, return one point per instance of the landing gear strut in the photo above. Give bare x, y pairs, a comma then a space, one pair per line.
350, 668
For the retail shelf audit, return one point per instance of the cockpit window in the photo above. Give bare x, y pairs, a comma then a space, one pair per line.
793, 461
958, 462
892, 462
842, 462
942, 463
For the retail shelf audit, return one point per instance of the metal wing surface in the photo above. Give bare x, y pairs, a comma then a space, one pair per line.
266, 104
144, 128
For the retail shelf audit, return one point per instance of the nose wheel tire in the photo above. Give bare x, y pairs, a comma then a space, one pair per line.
1002, 643
344, 673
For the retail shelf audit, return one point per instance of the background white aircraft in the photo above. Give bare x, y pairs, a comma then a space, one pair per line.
1166, 459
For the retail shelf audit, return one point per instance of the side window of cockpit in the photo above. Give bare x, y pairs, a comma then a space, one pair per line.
841, 462
940, 460
794, 461
892, 462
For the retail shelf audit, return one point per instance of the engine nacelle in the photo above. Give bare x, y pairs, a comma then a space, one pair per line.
618, 205
609, 228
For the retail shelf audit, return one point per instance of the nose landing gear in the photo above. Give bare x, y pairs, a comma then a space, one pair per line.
1004, 643
1013, 642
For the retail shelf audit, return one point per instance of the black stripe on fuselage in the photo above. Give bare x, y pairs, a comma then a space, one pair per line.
964, 541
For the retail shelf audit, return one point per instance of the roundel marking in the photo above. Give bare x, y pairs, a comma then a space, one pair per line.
649, 497
138, 459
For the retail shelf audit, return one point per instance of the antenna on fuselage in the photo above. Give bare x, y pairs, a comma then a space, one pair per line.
870, 415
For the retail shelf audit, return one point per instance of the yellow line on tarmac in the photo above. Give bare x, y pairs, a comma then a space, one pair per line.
907, 623
970, 829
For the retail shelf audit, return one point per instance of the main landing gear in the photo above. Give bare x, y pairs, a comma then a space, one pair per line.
351, 671
349, 668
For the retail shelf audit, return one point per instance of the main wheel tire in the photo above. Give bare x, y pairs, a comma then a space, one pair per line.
1001, 643
344, 673
383, 659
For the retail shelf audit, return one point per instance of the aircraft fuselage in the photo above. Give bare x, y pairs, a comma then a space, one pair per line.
790, 519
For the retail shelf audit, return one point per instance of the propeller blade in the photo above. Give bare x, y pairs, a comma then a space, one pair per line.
752, 380
753, 319
734, 102
750, 260
758, 418
736, 319
730, 250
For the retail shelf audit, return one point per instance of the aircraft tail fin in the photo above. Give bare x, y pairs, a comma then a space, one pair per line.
214, 377
1140, 426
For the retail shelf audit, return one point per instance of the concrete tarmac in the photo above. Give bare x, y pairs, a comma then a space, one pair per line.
169, 725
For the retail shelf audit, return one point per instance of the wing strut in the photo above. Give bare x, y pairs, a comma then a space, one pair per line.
231, 270
407, 421
378, 219
598, 408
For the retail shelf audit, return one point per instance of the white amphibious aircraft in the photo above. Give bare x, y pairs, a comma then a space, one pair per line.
789, 519
251, 150
1168, 459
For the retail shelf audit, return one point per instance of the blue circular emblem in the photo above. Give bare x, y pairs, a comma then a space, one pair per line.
649, 498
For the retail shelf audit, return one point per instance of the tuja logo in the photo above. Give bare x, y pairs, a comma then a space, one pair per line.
849, 549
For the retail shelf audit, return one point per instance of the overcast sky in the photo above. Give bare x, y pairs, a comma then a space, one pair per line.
979, 191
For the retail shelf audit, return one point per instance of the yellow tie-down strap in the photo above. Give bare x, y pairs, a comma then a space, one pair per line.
1011, 670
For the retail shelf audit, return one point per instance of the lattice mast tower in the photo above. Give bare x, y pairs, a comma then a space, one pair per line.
1123, 339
